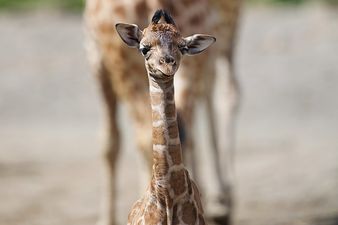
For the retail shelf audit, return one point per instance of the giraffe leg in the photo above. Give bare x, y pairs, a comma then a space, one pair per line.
144, 144
141, 118
219, 199
185, 122
111, 148
186, 99
223, 155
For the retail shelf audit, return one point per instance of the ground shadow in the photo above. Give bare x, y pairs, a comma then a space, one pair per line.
325, 221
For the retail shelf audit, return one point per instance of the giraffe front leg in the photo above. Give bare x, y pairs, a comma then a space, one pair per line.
223, 149
141, 118
219, 197
185, 117
110, 150
144, 144
185, 98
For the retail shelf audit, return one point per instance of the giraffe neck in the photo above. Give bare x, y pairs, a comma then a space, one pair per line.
169, 174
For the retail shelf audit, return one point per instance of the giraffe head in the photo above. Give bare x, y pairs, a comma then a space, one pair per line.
161, 44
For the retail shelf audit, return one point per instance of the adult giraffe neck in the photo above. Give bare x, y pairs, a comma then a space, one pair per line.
168, 169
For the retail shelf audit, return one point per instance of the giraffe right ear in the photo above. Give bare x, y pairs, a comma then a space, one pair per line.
129, 33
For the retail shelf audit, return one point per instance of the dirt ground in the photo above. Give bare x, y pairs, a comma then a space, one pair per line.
287, 141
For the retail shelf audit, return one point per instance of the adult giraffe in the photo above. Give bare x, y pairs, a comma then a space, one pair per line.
120, 71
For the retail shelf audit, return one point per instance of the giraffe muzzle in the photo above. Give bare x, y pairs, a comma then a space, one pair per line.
169, 60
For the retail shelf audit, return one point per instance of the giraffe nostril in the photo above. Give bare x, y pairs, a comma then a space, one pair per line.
169, 59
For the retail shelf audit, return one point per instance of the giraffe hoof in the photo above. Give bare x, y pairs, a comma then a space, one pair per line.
219, 212
221, 220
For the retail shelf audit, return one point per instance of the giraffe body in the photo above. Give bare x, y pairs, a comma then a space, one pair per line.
120, 71
216, 16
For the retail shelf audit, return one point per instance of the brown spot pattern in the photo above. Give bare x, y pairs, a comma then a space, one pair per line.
170, 110
169, 96
142, 9
196, 19
189, 213
168, 6
161, 165
152, 214
175, 220
120, 11
175, 154
177, 182
106, 27
159, 136
188, 2
173, 130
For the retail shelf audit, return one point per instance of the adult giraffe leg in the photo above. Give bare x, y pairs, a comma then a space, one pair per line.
224, 149
220, 200
185, 104
143, 127
111, 146
185, 121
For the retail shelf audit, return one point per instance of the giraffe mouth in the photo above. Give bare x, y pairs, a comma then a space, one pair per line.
166, 74
160, 74
168, 71
162, 71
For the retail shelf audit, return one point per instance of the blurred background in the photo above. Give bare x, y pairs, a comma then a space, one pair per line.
51, 116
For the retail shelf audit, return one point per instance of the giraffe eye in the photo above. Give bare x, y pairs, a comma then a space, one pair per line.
145, 49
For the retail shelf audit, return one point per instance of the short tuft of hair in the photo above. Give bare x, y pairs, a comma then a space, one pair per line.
162, 13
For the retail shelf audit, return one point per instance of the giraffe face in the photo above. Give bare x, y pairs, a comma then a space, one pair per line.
162, 45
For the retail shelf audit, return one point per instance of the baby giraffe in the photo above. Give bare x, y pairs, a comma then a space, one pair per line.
172, 197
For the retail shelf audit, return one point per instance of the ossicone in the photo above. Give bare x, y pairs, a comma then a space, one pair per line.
162, 13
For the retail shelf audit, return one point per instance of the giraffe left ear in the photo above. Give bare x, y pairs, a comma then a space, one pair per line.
198, 43
129, 33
